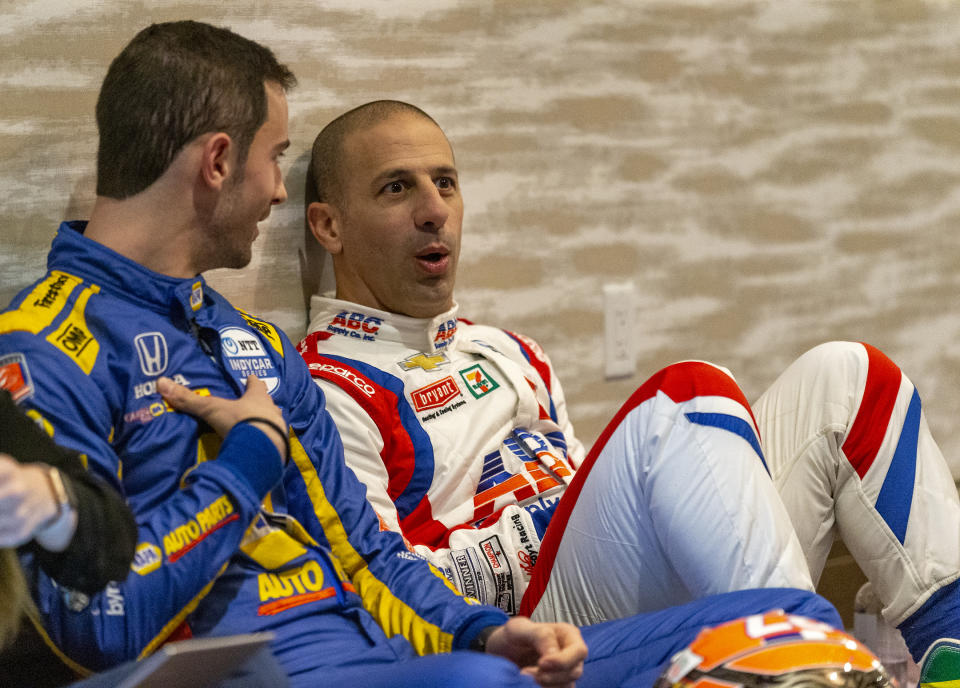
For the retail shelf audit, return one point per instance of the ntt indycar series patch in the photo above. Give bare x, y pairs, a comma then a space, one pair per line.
244, 355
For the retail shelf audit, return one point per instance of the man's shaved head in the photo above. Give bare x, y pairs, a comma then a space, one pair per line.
390, 211
326, 160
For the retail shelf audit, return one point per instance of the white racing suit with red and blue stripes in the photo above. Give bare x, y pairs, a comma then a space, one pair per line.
461, 435
849, 449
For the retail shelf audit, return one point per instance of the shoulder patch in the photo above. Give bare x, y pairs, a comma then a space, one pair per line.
534, 355
266, 329
42, 306
74, 338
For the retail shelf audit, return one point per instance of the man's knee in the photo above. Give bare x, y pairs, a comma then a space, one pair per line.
687, 380
849, 360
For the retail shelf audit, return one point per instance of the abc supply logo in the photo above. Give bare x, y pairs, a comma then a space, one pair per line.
356, 325
445, 334
246, 356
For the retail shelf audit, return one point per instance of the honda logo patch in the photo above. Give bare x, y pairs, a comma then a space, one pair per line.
152, 350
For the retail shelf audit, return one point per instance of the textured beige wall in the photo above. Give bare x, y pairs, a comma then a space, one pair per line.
769, 174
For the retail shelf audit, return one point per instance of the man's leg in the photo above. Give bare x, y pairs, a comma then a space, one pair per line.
455, 670
635, 650
673, 503
850, 452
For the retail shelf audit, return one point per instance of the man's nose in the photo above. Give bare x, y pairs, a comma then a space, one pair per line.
432, 209
280, 193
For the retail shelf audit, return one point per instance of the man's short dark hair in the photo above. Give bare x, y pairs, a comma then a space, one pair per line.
326, 159
172, 83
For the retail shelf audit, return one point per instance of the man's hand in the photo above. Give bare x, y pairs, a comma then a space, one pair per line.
26, 500
552, 653
222, 414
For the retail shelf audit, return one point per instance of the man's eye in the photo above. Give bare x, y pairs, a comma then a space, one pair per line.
394, 187
445, 183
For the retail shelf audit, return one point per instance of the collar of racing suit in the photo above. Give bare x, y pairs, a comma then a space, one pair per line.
73, 253
348, 319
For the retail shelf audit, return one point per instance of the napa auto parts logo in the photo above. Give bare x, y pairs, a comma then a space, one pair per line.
246, 356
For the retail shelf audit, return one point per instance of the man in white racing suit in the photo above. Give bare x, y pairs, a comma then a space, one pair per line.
461, 434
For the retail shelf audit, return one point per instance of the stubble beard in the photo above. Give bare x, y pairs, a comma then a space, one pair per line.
229, 246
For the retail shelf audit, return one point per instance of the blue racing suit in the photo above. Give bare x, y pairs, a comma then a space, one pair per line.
236, 544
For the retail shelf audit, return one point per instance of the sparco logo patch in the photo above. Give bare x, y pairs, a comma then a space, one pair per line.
435, 395
152, 351
15, 376
353, 378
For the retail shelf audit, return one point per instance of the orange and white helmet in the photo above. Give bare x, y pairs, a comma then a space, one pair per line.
774, 649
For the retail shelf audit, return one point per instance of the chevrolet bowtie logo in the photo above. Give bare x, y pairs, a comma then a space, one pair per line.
424, 361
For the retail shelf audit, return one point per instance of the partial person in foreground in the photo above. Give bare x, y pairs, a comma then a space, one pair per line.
74, 527
461, 434
255, 524
77, 528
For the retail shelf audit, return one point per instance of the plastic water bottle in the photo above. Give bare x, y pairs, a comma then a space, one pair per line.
870, 628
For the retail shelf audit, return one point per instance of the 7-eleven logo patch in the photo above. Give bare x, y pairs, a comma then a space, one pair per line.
478, 382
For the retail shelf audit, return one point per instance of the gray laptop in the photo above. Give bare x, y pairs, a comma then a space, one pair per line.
235, 661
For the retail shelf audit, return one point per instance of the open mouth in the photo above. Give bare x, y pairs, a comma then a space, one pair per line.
434, 259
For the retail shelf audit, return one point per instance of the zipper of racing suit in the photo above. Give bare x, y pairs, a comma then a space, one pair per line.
204, 344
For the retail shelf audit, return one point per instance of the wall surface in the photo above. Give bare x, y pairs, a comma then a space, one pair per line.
768, 174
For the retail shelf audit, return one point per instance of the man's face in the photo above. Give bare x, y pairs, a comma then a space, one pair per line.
247, 197
399, 218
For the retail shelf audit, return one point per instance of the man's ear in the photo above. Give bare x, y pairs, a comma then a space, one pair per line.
217, 160
324, 224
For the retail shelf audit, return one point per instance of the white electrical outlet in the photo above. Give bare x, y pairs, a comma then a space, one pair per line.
618, 334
